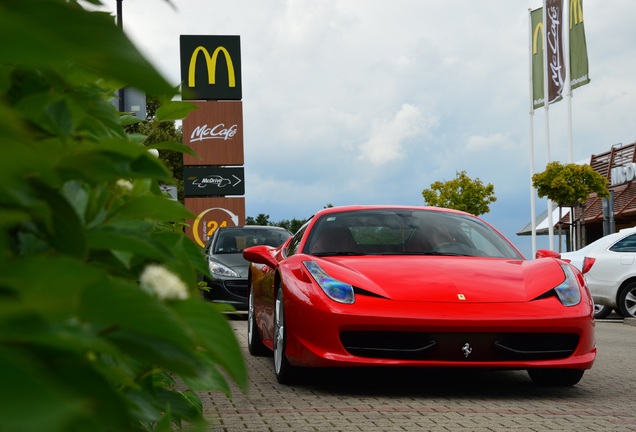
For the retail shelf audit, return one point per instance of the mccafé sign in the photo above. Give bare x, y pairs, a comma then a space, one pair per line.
215, 132
210, 67
623, 174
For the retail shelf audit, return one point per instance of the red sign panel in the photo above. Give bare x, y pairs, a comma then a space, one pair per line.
215, 133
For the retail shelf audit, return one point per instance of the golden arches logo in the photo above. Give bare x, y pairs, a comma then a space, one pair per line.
211, 64
538, 32
576, 12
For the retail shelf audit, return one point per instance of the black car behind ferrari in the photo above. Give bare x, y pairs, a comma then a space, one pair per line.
224, 255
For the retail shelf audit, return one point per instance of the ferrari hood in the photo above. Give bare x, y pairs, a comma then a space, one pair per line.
447, 279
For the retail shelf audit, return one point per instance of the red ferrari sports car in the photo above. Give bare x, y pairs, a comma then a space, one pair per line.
415, 286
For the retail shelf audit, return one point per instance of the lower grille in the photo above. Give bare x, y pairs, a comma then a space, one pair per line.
472, 347
238, 287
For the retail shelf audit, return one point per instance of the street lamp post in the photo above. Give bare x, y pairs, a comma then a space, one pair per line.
120, 24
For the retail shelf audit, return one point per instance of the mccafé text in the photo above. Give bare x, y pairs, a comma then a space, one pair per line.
201, 133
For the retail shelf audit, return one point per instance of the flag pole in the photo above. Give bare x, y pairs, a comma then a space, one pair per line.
546, 106
533, 207
569, 95
568, 83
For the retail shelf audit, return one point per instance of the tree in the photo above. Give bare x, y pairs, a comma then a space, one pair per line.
292, 225
261, 219
461, 193
102, 327
569, 184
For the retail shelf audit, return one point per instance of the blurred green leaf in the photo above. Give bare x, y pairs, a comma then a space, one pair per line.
27, 389
111, 237
174, 110
173, 146
55, 32
215, 334
151, 207
125, 311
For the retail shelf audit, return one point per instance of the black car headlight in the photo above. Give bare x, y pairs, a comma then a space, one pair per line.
216, 268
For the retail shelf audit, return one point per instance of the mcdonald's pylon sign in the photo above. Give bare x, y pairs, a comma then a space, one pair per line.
210, 67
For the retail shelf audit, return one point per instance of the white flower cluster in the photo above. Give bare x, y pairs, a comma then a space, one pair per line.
164, 284
125, 185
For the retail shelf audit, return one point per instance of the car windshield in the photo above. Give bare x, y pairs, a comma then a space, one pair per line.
405, 232
235, 240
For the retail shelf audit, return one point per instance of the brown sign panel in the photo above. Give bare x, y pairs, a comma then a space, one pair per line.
215, 133
210, 67
212, 213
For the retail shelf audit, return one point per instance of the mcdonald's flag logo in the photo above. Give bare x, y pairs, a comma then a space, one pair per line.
210, 67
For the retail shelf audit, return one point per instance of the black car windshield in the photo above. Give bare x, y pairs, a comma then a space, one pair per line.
405, 232
235, 240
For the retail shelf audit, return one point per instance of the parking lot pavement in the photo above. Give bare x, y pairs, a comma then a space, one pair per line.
372, 400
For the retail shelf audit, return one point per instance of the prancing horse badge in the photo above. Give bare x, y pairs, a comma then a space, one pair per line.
467, 349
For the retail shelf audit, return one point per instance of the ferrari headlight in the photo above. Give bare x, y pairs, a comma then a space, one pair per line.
221, 270
336, 290
568, 291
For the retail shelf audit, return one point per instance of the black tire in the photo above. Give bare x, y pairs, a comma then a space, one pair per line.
601, 311
627, 301
254, 342
556, 377
285, 372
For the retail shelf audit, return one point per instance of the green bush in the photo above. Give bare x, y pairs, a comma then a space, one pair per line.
101, 323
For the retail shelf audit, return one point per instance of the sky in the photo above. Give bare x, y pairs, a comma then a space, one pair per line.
370, 102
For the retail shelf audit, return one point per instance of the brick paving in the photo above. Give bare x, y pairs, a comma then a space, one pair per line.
392, 400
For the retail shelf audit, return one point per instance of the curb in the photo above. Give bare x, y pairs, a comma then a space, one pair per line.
630, 321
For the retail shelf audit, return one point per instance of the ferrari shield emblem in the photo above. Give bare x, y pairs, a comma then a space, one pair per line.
461, 296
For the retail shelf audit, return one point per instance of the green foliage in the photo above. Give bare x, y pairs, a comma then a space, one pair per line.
261, 219
101, 323
291, 225
163, 135
569, 184
461, 193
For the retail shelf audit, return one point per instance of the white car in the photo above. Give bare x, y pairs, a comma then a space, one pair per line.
609, 267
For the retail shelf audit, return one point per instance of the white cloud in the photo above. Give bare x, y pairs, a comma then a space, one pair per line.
385, 144
495, 142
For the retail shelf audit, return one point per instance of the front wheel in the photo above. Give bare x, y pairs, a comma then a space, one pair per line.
601, 311
556, 377
285, 372
627, 301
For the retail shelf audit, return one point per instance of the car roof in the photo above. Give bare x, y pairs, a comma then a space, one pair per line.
603, 242
387, 207
240, 227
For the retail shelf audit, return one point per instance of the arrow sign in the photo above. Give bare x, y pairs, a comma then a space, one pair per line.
213, 181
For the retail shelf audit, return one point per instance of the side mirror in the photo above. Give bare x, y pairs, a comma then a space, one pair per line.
545, 253
260, 255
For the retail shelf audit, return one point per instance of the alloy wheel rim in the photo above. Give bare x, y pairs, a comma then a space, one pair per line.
250, 317
279, 326
630, 302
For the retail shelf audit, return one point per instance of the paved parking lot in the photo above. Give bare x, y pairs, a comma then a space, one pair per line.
373, 400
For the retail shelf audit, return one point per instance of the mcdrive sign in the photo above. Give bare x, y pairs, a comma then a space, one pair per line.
210, 67
213, 181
